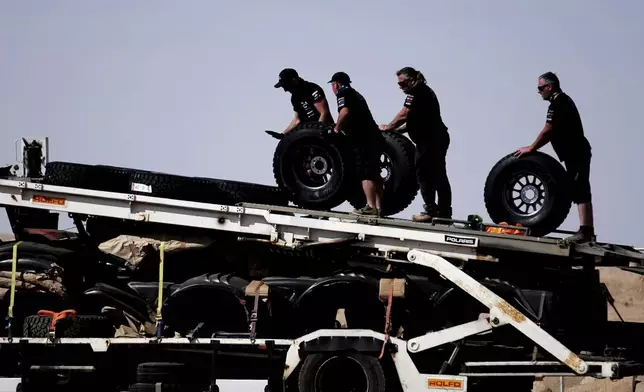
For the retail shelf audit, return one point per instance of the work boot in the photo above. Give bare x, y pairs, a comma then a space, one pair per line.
425, 216
584, 234
367, 211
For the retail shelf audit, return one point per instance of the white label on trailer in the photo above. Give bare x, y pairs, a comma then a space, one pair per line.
442, 383
452, 239
137, 187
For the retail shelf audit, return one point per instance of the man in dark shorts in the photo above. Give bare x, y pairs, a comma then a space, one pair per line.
308, 99
421, 118
355, 119
564, 130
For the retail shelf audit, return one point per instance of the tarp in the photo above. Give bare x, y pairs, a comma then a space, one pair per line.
133, 249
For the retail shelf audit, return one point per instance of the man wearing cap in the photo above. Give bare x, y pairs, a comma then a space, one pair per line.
355, 119
308, 99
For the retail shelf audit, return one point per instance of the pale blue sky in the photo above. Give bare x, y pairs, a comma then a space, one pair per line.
187, 86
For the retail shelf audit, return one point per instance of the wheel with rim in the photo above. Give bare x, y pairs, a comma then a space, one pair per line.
531, 191
340, 372
309, 164
398, 172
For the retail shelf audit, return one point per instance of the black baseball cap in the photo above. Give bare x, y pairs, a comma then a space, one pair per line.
340, 77
286, 74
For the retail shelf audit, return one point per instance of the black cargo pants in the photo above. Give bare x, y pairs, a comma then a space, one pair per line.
431, 173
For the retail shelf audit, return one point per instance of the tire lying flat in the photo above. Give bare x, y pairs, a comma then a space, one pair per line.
125, 180
531, 191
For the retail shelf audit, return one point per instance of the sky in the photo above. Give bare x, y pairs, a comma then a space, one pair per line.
187, 87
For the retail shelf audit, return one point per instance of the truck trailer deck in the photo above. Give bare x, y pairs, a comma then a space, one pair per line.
449, 251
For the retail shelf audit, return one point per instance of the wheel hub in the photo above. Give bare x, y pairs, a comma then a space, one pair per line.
319, 165
385, 167
526, 194
529, 194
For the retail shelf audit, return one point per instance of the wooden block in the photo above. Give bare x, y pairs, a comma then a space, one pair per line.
257, 287
385, 288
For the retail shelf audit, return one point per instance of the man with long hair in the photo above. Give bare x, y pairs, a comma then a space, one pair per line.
421, 118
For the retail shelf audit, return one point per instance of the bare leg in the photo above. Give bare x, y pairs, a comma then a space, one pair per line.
369, 192
373, 193
586, 214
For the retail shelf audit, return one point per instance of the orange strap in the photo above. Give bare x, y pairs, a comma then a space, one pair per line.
502, 230
56, 316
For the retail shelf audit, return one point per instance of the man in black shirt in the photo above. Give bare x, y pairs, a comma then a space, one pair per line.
308, 99
355, 119
564, 130
421, 118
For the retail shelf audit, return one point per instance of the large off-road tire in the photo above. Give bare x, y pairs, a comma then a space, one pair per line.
309, 164
346, 371
95, 177
234, 192
82, 326
204, 299
532, 191
398, 172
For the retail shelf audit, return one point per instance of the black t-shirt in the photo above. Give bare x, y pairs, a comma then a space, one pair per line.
568, 139
303, 100
424, 121
360, 121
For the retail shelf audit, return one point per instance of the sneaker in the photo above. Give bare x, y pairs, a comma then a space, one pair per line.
422, 217
366, 211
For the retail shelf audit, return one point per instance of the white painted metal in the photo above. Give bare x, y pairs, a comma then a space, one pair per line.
283, 229
19, 168
501, 312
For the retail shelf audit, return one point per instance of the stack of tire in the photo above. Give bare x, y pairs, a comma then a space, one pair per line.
312, 151
531, 191
164, 185
314, 168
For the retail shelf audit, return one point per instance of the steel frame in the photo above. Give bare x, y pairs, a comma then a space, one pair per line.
424, 244
500, 313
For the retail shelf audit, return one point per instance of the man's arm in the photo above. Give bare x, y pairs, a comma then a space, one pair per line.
397, 122
342, 118
323, 107
401, 117
293, 124
542, 138
343, 109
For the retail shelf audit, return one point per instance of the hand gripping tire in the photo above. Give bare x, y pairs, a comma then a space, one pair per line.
400, 186
303, 158
532, 191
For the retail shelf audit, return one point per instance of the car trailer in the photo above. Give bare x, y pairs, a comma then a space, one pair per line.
458, 253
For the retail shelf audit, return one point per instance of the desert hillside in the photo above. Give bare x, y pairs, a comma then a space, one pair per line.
628, 291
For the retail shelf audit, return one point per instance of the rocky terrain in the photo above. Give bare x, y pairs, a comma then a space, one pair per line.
628, 291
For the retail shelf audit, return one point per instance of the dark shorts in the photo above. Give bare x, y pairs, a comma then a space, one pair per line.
578, 169
368, 152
